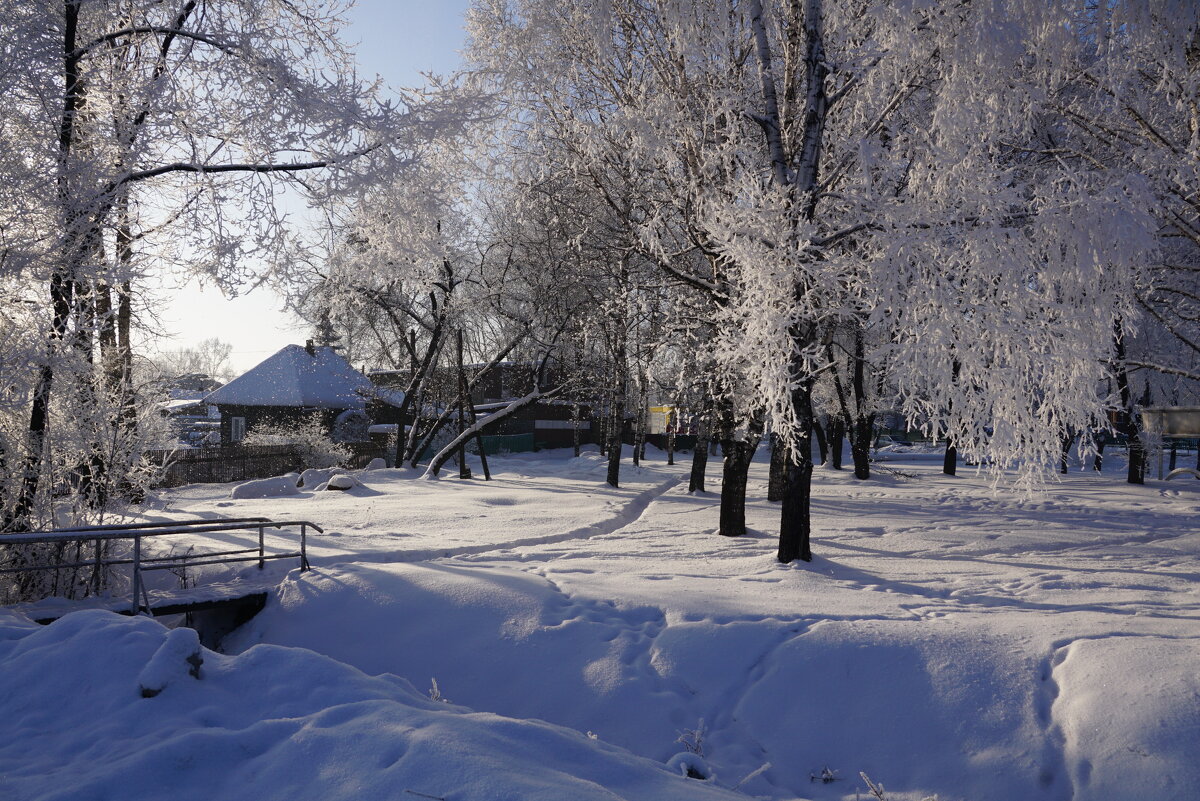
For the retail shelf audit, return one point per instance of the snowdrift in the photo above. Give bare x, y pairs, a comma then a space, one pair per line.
949, 639
271, 723
966, 708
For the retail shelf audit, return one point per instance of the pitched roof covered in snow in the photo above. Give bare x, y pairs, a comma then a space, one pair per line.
322, 379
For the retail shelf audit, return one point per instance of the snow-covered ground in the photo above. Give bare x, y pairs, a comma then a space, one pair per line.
947, 640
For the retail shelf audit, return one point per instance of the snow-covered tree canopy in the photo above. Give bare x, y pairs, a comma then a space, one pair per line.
140, 134
958, 179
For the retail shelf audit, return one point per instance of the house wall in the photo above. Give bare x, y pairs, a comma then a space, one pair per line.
258, 416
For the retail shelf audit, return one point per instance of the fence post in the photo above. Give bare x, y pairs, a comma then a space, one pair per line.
260, 547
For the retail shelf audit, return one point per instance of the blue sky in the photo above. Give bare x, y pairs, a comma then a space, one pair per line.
396, 39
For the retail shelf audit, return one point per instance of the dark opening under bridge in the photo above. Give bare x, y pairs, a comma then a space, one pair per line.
89, 554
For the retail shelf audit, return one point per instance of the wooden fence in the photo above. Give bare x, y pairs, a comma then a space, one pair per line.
243, 462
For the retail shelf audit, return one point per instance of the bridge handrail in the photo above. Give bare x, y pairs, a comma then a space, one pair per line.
157, 524
139, 531
200, 527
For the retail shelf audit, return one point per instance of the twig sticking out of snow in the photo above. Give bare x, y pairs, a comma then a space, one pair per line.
692, 740
891, 471
876, 789
754, 774
423, 795
826, 776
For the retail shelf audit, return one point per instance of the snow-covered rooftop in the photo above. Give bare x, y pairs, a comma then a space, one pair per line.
294, 377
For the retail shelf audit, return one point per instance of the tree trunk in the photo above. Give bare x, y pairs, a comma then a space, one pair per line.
39, 411
643, 418
776, 479
487, 471
1137, 452
445, 454
464, 470
860, 446
796, 176
639, 433
672, 424
864, 422
822, 443
1067, 441
699, 456
414, 392
616, 434
950, 460
438, 423
795, 524
62, 275
735, 474
836, 434
736, 465
614, 456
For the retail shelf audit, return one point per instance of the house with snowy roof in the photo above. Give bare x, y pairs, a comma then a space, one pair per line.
294, 385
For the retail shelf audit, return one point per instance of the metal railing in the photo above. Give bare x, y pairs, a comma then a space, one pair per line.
98, 535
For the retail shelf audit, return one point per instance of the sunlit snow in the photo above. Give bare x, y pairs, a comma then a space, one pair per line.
947, 640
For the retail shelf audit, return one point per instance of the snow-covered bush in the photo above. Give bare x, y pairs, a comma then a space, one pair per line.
691, 765
310, 438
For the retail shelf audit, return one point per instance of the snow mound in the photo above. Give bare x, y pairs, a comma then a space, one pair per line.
313, 477
277, 487
692, 765
273, 724
376, 464
342, 482
1118, 707
178, 657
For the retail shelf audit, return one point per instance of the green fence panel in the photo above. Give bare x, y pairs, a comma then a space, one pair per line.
508, 443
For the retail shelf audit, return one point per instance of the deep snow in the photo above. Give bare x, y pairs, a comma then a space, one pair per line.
947, 640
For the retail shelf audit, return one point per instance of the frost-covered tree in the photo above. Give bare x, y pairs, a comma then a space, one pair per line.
140, 133
583, 84
1125, 111
844, 165
208, 357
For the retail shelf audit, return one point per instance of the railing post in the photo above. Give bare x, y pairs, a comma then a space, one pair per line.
96, 569
261, 552
137, 574
303, 547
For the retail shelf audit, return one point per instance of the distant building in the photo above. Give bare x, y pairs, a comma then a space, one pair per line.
192, 421
294, 385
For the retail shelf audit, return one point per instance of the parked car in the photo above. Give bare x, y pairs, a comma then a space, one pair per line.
883, 440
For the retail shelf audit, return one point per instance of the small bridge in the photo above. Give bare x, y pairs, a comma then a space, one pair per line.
88, 554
